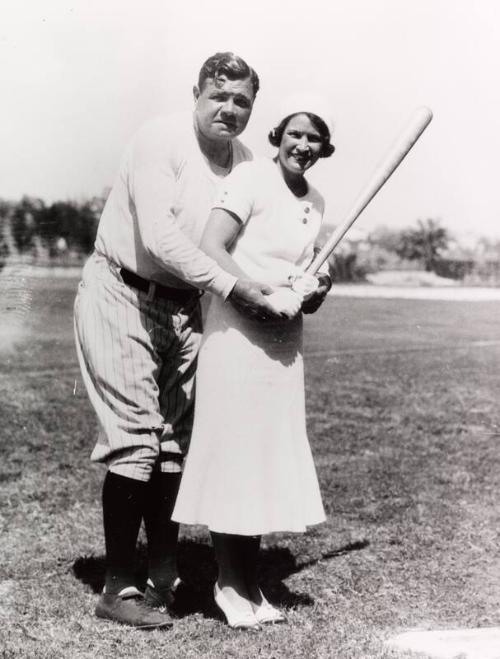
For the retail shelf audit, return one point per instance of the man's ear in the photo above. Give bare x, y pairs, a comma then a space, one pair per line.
196, 92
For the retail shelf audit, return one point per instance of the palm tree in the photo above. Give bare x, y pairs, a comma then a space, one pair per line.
425, 243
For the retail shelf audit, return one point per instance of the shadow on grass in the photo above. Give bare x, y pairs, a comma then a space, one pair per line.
198, 571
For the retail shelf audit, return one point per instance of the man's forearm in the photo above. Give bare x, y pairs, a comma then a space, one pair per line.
177, 253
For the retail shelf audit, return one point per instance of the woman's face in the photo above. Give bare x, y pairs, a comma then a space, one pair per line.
300, 145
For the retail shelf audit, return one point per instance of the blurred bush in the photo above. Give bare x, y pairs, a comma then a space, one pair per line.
64, 231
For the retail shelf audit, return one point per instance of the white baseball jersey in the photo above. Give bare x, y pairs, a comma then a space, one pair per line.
159, 204
137, 352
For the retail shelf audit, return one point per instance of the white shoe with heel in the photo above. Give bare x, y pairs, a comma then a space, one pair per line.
266, 613
235, 619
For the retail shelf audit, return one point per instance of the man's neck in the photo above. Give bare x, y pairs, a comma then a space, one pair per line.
217, 152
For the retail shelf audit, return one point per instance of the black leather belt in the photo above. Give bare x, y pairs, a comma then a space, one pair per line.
181, 295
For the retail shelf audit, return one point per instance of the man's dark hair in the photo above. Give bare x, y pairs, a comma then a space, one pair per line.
229, 65
326, 147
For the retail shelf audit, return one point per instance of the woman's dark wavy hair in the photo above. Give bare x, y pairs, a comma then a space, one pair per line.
230, 65
326, 147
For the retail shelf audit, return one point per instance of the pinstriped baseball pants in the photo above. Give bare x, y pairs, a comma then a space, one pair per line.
138, 360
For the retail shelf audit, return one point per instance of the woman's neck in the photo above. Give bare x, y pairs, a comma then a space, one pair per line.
295, 182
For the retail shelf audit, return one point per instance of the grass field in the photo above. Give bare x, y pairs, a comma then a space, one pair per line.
404, 421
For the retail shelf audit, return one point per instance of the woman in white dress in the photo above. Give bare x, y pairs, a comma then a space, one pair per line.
249, 470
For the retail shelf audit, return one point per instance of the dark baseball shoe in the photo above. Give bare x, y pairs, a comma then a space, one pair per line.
180, 599
159, 598
131, 609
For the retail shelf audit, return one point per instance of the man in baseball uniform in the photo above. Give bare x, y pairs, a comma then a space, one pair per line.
138, 325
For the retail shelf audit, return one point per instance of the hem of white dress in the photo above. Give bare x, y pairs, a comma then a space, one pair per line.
215, 528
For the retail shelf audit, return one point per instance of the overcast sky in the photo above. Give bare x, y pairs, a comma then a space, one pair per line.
78, 78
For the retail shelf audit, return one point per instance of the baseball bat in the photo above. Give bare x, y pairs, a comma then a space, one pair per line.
388, 165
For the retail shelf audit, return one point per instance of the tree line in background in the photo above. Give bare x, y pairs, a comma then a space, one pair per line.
63, 230
63, 233
426, 246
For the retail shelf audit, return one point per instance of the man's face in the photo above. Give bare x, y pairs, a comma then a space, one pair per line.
223, 107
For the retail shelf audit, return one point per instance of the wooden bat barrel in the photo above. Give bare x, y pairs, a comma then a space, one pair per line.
394, 157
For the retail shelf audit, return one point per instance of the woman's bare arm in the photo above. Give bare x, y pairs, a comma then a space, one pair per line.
248, 296
220, 232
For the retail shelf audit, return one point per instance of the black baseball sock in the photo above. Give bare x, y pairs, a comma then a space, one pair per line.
161, 532
123, 504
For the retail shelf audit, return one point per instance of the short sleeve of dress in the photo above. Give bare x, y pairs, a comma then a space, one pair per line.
236, 192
